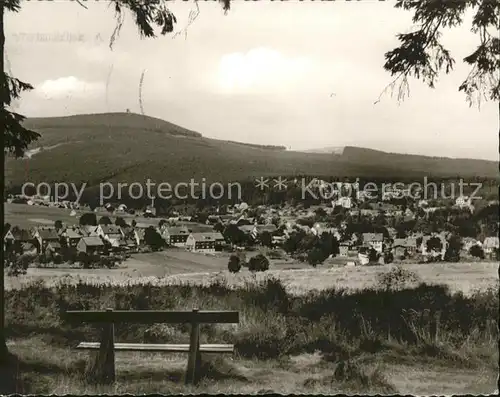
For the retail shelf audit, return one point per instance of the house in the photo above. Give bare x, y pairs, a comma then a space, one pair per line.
374, 240
468, 243
392, 233
131, 235
258, 230
53, 248
369, 212
344, 202
204, 242
319, 228
177, 236
15, 239
141, 234
249, 230
28, 248
45, 236
278, 240
112, 234
399, 248
411, 245
463, 202
72, 236
490, 246
88, 230
344, 249
90, 245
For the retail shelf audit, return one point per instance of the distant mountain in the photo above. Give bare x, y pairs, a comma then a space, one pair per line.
127, 147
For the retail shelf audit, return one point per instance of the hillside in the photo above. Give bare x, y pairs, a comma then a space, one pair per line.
124, 147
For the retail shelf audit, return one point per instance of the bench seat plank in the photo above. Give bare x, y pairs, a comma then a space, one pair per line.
206, 348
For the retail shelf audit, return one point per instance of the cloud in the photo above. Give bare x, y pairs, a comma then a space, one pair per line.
260, 70
69, 87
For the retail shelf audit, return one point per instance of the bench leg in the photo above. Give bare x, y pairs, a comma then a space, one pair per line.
194, 360
104, 369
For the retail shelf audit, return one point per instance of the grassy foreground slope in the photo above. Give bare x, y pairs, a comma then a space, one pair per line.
129, 147
369, 341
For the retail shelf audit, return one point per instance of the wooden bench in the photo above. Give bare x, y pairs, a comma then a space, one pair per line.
105, 365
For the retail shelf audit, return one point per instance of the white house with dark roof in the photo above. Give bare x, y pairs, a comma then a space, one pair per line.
204, 242
176, 235
490, 245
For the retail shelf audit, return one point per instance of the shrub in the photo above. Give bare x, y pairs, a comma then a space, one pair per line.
258, 263
234, 265
373, 256
316, 256
477, 251
453, 250
19, 265
275, 254
397, 278
88, 218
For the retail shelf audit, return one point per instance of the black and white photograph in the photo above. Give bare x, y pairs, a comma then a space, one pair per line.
250, 197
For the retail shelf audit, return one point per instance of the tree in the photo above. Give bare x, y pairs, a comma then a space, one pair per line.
477, 251
153, 239
202, 217
119, 221
235, 235
373, 255
258, 263
320, 213
89, 219
234, 265
219, 227
105, 221
291, 244
452, 253
434, 244
316, 256
329, 244
423, 56
266, 239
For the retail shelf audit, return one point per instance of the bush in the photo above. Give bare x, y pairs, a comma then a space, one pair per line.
397, 278
19, 264
316, 256
258, 263
275, 254
477, 251
234, 265
107, 261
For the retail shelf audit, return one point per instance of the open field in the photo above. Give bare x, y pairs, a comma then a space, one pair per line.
178, 266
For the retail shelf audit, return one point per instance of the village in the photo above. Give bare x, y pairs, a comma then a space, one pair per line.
343, 231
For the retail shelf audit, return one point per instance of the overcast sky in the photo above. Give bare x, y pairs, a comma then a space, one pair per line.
299, 74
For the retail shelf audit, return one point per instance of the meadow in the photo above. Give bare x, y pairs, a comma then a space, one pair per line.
28, 216
373, 340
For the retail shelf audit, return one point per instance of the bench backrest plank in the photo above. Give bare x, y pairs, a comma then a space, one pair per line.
153, 316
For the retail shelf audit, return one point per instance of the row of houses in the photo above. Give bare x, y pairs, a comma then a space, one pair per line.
94, 239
